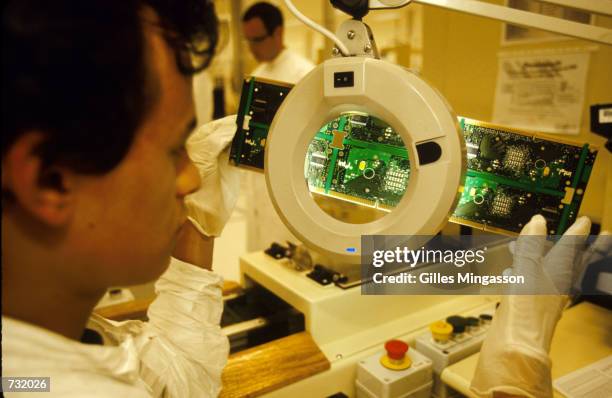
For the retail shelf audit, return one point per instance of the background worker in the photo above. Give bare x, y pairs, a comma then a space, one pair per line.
263, 28
262, 25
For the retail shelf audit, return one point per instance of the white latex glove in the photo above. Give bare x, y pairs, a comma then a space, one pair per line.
514, 356
211, 206
599, 249
180, 352
548, 268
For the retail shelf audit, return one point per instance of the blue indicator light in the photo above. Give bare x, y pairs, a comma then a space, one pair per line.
351, 249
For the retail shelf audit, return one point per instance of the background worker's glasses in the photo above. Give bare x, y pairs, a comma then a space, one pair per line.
256, 40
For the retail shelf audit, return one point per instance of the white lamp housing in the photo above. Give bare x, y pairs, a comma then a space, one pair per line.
415, 110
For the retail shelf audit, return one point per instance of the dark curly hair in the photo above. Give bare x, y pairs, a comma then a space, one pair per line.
270, 15
78, 72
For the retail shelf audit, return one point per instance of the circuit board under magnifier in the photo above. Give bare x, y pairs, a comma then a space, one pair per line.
511, 174
359, 159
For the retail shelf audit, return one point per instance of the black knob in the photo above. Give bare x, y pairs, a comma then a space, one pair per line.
485, 318
355, 8
458, 323
472, 321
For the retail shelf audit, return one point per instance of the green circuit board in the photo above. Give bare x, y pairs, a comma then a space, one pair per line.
259, 102
511, 175
358, 158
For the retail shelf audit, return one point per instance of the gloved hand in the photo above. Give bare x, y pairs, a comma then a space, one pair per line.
211, 206
514, 357
548, 268
601, 248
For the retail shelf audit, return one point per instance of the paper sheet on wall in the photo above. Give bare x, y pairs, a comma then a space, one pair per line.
541, 92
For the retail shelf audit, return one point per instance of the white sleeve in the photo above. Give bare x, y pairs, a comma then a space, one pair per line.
181, 350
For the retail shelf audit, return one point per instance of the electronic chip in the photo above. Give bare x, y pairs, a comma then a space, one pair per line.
515, 158
502, 205
491, 147
338, 139
318, 159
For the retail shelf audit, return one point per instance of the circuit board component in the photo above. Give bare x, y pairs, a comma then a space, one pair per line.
344, 162
511, 174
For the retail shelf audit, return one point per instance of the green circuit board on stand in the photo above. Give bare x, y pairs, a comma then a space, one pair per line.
511, 174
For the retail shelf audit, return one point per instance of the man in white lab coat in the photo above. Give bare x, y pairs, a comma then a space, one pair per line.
262, 25
95, 173
263, 28
96, 110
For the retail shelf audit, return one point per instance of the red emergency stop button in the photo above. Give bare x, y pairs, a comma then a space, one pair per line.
396, 349
396, 358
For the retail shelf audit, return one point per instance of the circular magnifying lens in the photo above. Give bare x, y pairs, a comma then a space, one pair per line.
297, 156
357, 168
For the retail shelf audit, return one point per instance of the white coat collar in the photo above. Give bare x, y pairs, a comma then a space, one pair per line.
28, 347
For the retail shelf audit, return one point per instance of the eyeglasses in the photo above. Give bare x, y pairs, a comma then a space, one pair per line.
256, 40
193, 54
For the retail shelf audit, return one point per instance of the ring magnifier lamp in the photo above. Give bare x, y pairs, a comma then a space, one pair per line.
357, 80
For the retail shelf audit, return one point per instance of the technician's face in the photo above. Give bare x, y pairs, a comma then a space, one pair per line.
131, 216
261, 44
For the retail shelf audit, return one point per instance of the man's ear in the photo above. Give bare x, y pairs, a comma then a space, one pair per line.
278, 34
44, 192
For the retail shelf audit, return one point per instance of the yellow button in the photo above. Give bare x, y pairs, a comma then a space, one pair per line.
441, 330
396, 364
